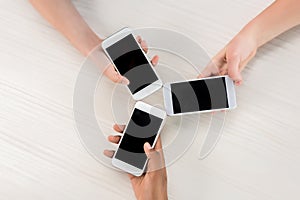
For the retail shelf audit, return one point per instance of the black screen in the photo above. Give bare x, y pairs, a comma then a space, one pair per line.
141, 128
132, 63
199, 95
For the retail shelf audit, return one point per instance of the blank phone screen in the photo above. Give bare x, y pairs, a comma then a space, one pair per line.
199, 95
132, 63
142, 127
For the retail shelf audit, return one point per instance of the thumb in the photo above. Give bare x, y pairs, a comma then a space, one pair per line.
118, 78
233, 64
123, 80
152, 164
156, 158
148, 149
210, 70
113, 75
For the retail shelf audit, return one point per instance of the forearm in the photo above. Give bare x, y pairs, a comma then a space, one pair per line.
279, 17
65, 18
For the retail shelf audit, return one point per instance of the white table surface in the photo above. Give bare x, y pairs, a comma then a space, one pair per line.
41, 157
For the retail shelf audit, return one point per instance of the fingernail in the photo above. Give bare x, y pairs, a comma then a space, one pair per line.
148, 146
125, 81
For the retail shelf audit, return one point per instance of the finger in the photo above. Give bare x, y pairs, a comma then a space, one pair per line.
144, 46
214, 65
154, 60
245, 62
238, 83
114, 139
200, 76
143, 43
111, 73
158, 144
159, 148
109, 153
209, 70
148, 149
119, 128
156, 158
224, 69
223, 72
123, 81
132, 177
233, 63
139, 39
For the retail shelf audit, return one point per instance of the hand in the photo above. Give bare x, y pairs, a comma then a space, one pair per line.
111, 73
153, 184
233, 58
63, 15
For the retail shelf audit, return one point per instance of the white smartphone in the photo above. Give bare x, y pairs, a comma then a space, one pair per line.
144, 125
199, 95
131, 62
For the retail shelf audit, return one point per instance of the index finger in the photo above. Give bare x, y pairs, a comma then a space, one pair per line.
233, 63
119, 128
158, 144
143, 43
214, 65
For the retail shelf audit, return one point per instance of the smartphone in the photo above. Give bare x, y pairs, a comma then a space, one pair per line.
131, 62
199, 95
145, 124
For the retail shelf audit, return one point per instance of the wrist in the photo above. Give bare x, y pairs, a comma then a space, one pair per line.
92, 41
252, 32
162, 195
156, 197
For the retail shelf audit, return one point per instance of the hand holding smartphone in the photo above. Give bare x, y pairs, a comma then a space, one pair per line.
131, 62
144, 126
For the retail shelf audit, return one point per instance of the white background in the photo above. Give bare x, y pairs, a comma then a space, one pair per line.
41, 157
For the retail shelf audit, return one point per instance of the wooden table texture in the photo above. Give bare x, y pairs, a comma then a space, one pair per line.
41, 156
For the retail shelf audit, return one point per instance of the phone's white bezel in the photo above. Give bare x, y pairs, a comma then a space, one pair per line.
119, 36
168, 99
230, 96
153, 111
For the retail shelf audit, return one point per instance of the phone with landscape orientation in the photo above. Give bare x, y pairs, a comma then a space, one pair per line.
199, 95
